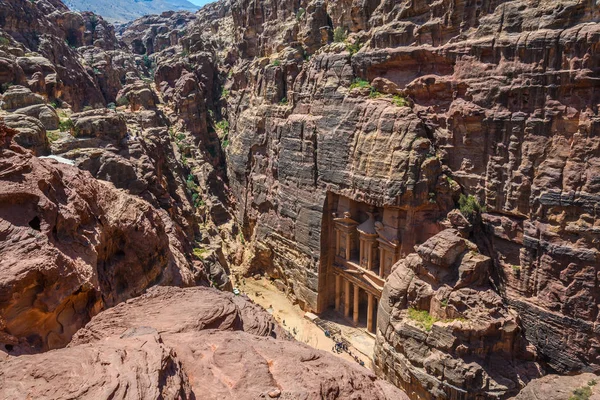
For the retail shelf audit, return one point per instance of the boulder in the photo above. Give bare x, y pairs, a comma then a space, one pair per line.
32, 133
18, 97
442, 249
46, 114
102, 123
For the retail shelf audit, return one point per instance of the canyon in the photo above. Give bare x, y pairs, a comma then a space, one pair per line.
428, 171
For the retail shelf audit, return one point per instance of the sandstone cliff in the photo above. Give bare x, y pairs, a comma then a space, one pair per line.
72, 246
253, 130
406, 105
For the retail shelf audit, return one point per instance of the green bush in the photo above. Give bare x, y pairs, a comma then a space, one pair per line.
66, 125
360, 83
87, 108
582, 393
224, 93
300, 13
199, 253
339, 35
422, 318
223, 126
374, 93
111, 106
185, 53
469, 207
516, 269
191, 183
52, 136
276, 63
122, 101
5, 86
353, 48
284, 101
4, 41
400, 101
197, 200
147, 61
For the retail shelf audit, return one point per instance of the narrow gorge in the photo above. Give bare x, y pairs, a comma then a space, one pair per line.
426, 173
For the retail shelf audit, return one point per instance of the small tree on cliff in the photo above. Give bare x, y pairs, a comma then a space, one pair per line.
470, 207
339, 35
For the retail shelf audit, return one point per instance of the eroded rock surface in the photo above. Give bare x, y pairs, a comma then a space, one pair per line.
183, 344
445, 332
71, 246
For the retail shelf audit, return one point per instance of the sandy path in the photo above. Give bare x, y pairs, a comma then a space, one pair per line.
291, 317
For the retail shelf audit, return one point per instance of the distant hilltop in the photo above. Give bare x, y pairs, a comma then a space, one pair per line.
121, 11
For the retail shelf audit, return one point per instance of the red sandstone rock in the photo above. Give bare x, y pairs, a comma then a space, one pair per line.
71, 245
223, 344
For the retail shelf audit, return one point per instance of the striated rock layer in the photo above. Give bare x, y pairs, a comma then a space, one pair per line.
405, 105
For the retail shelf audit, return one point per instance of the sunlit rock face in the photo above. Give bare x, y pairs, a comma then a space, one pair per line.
256, 134
415, 104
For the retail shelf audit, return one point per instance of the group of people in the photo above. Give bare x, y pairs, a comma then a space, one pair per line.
341, 346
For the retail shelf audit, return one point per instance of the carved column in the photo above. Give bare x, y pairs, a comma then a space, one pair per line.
346, 298
381, 261
338, 292
370, 314
356, 298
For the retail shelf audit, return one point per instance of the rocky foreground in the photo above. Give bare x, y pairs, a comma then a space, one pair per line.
194, 343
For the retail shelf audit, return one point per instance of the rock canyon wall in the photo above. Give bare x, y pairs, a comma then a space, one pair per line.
439, 158
404, 106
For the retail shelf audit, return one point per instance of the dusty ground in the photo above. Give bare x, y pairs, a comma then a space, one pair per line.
291, 317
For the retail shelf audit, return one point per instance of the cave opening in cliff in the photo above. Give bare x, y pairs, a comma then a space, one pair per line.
361, 245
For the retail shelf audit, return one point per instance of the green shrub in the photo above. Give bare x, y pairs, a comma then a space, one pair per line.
400, 101
223, 126
225, 143
339, 35
300, 13
147, 61
191, 183
52, 136
111, 106
284, 101
444, 303
360, 83
516, 269
122, 101
374, 93
582, 393
422, 318
4, 41
197, 200
224, 93
185, 53
276, 63
199, 253
55, 104
469, 207
5, 86
66, 125
87, 108
353, 48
